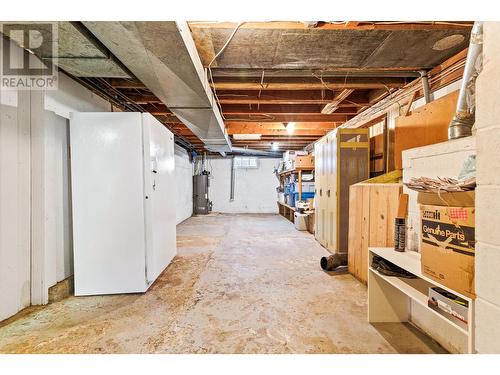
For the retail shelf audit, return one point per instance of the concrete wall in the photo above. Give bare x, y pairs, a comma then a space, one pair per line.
488, 194
35, 242
255, 189
184, 184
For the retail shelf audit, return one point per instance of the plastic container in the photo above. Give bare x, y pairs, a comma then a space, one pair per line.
300, 221
305, 196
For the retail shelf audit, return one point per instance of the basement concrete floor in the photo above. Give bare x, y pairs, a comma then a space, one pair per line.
240, 284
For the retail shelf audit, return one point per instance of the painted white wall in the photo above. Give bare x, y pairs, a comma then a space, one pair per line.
15, 218
488, 194
255, 189
34, 202
184, 183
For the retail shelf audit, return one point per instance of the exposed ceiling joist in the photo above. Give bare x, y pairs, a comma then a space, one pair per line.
347, 25
289, 118
360, 98
313, 84
272, 109
334, 105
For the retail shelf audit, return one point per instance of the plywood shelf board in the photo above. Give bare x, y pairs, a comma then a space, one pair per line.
372, 208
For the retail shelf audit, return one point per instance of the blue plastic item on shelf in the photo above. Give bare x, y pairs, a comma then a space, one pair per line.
305, 195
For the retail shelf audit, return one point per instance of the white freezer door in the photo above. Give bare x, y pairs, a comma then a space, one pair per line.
108, 203
159, 181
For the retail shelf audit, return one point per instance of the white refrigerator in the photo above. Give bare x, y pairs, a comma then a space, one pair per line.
123, 201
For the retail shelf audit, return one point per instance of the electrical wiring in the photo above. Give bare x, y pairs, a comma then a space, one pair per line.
209, 67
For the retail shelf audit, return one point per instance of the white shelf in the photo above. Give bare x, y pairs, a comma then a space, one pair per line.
410, 261
389, 296
417, 289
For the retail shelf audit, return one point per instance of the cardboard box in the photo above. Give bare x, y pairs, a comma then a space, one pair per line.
447, 242
452, 307
292, 154
304, 161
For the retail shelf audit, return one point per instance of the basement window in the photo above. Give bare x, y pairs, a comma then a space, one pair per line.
246, 162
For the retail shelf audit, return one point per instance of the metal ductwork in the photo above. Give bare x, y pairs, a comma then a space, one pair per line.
164, 57
252, 152
463, 121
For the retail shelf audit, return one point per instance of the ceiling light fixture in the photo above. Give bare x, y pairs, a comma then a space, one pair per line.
274, 146
290, 127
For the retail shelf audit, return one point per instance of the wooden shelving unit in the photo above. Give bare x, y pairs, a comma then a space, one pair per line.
389, 296
293, 171
286, 211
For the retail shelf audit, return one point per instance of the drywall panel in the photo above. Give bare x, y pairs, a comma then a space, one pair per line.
254, 192
184, 184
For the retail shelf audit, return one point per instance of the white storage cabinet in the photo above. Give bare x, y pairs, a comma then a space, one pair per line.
123, 194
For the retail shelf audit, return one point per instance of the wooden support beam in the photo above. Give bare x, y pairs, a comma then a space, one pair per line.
340, 118
334, 105
283, 132
236, 109
376, 95
311, 84
157, 109
143, 99
121, 83
359, 25
242, 127
289, 97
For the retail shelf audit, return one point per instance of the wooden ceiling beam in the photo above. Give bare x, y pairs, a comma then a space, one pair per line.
237, 109
157, 109
122, 83
289, 97
308, 84
339, 118
283, 132
243, 126
346, 25
143, 99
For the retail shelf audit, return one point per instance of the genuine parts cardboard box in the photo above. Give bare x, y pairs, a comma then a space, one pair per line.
447, 242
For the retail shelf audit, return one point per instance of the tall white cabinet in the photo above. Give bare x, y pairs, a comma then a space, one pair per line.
123, 195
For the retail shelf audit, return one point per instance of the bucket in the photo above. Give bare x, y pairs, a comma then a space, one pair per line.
300, 221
